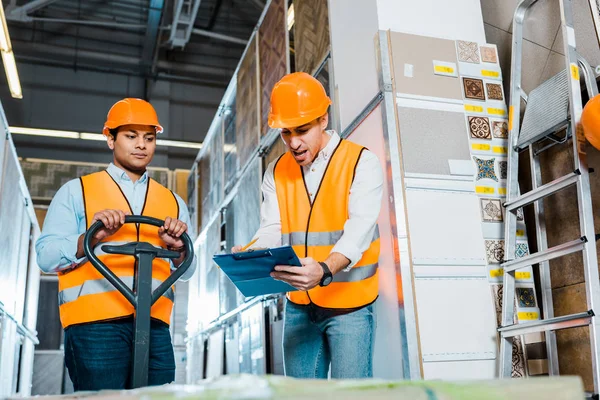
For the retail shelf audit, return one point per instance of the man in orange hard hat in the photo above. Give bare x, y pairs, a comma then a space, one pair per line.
323, 197
97, 319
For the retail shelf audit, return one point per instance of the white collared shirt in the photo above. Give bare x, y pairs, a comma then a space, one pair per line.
363, 209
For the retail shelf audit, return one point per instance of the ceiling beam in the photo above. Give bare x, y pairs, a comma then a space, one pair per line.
21, 13
154, 16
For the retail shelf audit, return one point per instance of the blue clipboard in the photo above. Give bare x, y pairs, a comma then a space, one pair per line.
250, 270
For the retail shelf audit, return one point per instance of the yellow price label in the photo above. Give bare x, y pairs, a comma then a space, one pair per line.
510, 117
493, 74
520, 232
575, 72
484, 190
480, 146
502, 191
472, 108
495, 273
528, 316
500, 149
523, 275
496, 111
443, 69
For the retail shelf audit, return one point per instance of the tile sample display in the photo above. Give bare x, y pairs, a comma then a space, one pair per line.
503, 169
526, 297
479, 127
247, 123
417, 55
311, 33
494, 251
500, 129
521, 250
473, 88
491, 210
468, 52
273, 54
488, 54
494, 91
424, 149
485, 169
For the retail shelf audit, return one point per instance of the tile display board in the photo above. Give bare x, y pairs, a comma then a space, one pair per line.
311, 33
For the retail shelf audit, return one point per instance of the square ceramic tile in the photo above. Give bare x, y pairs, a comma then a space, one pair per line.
479, 127
521, 250
526, 297
468, 52
485, 169
491, 210
488, 54
494, 251
503, 169
520, 215
473, 88
500, 129
494, 91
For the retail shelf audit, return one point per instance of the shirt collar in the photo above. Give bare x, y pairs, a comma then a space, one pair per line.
328, 150
121, 176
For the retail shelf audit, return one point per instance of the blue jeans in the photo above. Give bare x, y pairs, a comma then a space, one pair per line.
98, 355
314, 337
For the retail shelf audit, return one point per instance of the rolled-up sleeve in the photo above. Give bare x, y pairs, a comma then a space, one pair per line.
363, 209
56, 248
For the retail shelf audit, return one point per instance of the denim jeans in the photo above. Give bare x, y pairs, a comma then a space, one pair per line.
98, 355
314, 338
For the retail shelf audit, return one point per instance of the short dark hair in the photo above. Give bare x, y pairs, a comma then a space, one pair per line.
113, 132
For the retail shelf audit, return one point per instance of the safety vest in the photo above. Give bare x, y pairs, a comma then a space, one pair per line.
84, 294
313, 229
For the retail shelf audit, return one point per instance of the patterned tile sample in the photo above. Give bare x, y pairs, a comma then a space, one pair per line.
521, 250
473, 88
479, 127
497, 292
526, 297
247, 103
518, 358
500, 129
494, 91
520, 215
491, 210
468, 52
494, 251
311, 33
488, 54
503, 168
485, 169
273, 54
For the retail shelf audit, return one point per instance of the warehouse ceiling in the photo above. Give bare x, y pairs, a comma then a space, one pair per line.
148, 38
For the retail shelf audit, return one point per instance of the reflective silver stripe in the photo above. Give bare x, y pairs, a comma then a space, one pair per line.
317, 238
356, 273
97, 286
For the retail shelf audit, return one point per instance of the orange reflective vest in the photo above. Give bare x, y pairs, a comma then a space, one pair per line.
313, 229
84, 294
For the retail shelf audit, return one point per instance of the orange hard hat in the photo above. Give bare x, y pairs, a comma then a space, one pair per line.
131, 112
297, 99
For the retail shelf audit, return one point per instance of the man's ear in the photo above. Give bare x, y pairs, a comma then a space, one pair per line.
110, 141
324, 120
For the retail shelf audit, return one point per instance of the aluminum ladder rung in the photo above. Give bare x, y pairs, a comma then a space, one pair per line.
550, 324
546, 255
543, 191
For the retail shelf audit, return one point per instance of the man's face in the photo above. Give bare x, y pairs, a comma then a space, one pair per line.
306, 141
134, 146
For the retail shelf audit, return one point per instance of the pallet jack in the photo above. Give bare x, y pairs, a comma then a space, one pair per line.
141, 296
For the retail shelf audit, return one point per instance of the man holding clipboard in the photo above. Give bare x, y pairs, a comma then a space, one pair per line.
322, 197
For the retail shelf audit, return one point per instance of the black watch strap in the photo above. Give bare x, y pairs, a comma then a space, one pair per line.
327, 275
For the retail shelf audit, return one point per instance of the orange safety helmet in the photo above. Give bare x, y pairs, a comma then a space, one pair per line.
131, 112
297, 99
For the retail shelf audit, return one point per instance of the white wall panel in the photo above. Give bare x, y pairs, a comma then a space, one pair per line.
460, 370
445, 228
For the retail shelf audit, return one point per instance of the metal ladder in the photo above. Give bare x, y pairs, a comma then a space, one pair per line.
553, 106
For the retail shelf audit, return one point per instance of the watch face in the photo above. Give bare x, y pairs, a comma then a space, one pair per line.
327, 280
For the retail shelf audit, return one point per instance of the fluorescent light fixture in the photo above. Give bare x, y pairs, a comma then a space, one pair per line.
290, 17
92, 136
43, 132
8, 59
99, 137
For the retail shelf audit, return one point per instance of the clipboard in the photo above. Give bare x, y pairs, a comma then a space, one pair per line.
250, 270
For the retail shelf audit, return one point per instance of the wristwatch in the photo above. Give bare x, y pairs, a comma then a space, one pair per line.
327, 275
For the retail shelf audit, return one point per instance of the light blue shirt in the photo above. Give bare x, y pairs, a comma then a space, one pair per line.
56, 247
